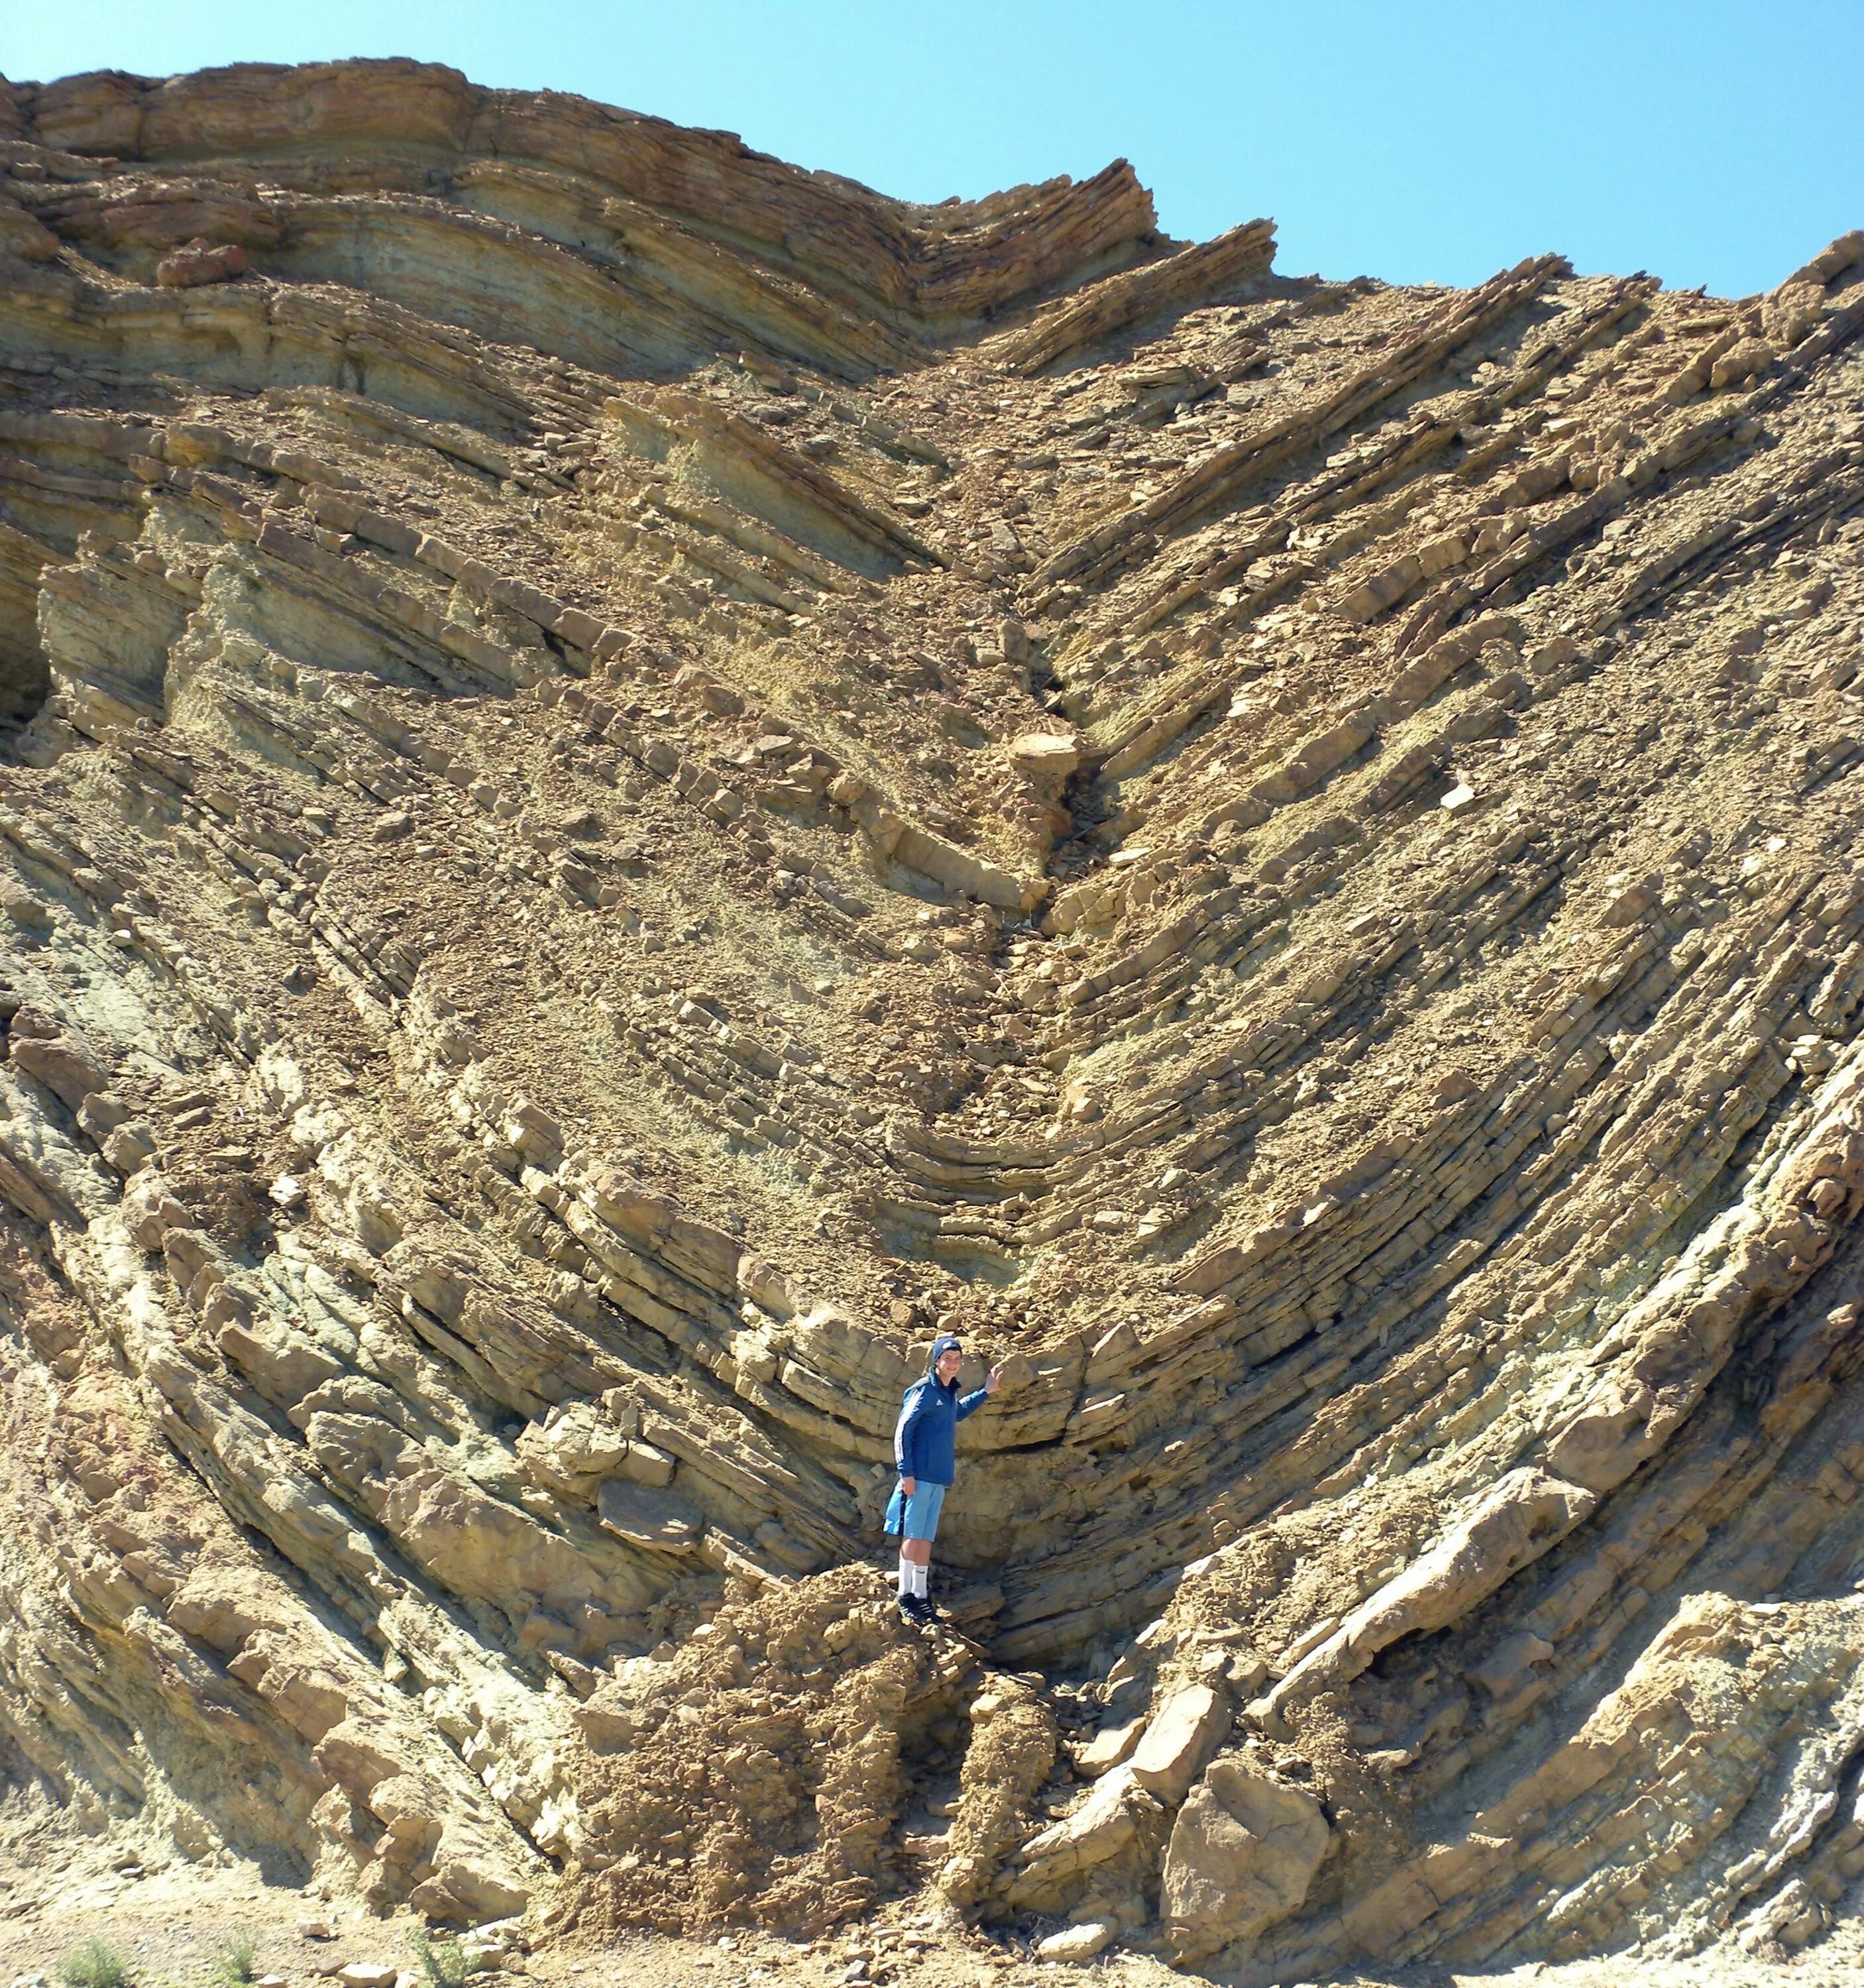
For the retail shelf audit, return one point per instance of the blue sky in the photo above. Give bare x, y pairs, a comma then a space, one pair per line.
1709, 143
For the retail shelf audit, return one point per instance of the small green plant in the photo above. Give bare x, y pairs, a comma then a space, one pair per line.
96, 1964
443, 1961
238, 1963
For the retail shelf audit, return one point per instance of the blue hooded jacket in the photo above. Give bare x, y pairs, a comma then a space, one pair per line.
926, 1437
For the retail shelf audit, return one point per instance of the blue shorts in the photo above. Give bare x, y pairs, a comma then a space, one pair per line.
917, 1517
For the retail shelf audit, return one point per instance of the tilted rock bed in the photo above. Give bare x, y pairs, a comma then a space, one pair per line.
633, 779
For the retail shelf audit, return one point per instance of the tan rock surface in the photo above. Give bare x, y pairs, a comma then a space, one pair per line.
1180, 1737
1244, 1853
632, 777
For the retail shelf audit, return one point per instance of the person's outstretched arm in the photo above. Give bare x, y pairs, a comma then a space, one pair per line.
972, 1402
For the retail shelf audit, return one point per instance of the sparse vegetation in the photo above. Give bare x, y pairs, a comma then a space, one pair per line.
238, 1962
445, 1961
96, 1964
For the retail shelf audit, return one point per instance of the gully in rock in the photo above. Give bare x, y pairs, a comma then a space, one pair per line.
925, 1452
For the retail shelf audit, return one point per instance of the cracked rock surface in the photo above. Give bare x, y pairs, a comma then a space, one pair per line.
632, 777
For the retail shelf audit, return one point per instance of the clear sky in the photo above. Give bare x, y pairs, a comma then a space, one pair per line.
1708, 142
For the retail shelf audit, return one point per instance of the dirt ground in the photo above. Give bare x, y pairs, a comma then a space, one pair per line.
174, 1928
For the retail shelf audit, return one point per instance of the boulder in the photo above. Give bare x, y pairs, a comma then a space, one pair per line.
1183, 1736
195, 263
1108, 1748
1243, 1854
64, 1068
1051, 755
1077, 1943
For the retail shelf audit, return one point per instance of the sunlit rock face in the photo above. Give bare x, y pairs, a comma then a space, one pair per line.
633, 777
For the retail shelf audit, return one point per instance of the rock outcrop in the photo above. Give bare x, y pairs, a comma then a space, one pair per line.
633, 778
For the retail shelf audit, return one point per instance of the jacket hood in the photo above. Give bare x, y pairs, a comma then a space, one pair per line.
945, 1343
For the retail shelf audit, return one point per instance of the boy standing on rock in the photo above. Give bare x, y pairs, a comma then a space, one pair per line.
925, 1451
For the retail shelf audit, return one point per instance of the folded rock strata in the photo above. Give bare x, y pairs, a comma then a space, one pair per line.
634, 778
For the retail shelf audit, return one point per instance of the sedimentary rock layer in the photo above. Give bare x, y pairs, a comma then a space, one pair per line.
635, 777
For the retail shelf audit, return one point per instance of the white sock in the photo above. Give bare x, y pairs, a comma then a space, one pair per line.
920, 1570
906, 1586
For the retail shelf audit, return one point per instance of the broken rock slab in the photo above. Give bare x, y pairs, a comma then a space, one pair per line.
1077, 1943
1243, 1854
1046, 755
576, 1446
1513, 1523
647, 1517
1102, 1827
1183, 1736
367, 1974
1109, 1747
195, 263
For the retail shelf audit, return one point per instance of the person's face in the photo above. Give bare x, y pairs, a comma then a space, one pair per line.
950, 1361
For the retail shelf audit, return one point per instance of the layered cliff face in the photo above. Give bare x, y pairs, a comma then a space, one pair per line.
634, 776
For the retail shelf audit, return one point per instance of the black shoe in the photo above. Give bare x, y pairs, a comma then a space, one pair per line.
910, 1605
928, 1609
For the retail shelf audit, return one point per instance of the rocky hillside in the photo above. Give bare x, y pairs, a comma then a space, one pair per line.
633, 776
